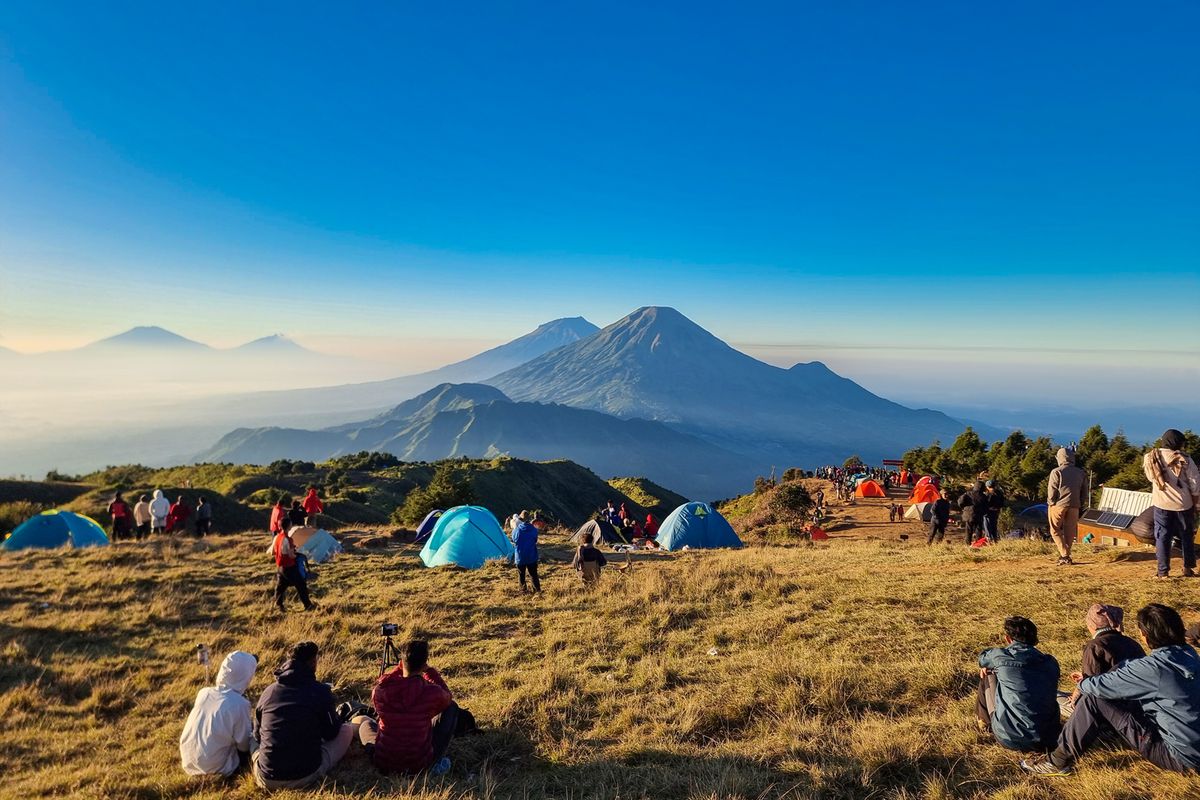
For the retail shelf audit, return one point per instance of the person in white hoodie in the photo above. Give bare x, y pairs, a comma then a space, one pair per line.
1175, 486
218, 732
160, 506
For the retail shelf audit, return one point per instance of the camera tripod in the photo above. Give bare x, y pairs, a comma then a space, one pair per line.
389, 656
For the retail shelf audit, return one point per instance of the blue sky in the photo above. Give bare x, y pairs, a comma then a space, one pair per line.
418, 179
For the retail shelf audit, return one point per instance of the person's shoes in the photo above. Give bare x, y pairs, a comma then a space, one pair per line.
1162, 577
1063, 561
440, 768
1042, 765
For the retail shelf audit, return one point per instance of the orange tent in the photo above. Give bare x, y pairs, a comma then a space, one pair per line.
869, 488
925, 493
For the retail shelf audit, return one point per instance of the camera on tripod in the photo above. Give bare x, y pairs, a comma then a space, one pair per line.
389, 656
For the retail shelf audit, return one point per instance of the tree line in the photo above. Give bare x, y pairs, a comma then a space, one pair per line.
1022, 464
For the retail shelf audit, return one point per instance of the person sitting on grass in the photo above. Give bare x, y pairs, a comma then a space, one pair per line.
1018, 690
300, 737
1107, 648
1152, 703
417, 716
588, 562
217, 736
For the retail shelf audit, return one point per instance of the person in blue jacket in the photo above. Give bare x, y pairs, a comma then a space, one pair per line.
1152, 703
525, 538
1018, 690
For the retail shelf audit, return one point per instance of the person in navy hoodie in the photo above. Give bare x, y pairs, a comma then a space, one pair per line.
1152, 703
525, 538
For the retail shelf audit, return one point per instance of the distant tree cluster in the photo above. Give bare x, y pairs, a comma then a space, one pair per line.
1022, 464
286, 467
447, 489
364, 461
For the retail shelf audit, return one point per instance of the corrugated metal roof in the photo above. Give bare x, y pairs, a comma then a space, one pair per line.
1124, 501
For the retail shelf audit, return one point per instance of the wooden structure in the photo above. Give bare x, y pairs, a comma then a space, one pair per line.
1116, 520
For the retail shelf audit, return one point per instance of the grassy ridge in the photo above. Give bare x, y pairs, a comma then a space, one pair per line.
841, 670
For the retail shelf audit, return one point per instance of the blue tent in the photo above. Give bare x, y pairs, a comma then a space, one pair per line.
1038, 510
427, 525
56, 529
696, 525
466, 536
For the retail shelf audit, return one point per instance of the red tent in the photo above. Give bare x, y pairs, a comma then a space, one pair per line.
926, 493
869, 488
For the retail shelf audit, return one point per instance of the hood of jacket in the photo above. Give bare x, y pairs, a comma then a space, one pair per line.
1065, 457
158, 495
236, 672
294, 674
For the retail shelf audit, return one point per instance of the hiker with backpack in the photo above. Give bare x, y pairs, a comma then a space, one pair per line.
289, 571
525, 539
1175, 489
1018, 690
312, 506
1151, 703
122, 518
1066, 497
417, 716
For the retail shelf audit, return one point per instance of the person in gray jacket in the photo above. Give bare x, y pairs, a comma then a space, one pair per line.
1018, 690
1152, 703
1066, 497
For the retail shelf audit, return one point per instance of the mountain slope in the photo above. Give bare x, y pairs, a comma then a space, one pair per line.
275, 344
149, 337
658, 364
479, 422
347, 402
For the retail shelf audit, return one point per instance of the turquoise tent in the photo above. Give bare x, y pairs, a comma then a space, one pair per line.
696, 525
466, 536
56, 529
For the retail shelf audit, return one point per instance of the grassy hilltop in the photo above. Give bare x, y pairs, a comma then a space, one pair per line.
841, 670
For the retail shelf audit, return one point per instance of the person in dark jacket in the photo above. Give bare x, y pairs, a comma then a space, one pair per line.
300, 737
1107, 648
1152, 703
994, 501
939, 518
525, 538
974, 505
588, 562
203, 517
296, 515
1018, 690
417, 716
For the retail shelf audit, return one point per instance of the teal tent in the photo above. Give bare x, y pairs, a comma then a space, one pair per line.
696, 525
56, 529
466, 536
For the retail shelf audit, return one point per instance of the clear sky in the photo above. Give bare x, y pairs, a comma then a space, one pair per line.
417, 180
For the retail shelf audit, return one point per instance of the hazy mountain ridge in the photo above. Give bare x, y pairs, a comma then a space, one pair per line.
479, 422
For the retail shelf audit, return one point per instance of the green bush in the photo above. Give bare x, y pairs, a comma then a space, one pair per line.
14, 513
446, 490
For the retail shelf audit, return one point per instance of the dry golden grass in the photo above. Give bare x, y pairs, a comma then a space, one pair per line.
842, 670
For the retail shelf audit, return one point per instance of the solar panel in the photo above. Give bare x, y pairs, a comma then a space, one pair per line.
1107, 519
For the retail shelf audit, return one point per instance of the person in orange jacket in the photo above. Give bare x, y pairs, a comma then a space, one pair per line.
312, 506
278, 514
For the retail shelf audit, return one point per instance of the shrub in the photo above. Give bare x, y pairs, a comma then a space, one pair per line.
14, 513
446, 490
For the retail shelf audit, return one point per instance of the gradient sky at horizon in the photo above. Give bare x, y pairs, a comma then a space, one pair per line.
416, 183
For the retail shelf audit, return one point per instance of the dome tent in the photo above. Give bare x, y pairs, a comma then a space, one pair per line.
596, 531
922, 512
924, 493
696, 525
56, 529
466, 536
869, 488
427, 525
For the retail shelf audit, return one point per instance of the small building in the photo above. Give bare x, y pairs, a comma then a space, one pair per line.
1116, 519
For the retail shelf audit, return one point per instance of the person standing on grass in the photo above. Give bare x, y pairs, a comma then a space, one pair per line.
300, 737
1018, 690
122, 518
972, 504
312, 506
1152, 703
278, 515
1066, 497
141, 517
993, 504
525, 538
203, 517
160, 507
287, 571
417, 717
1107, 648
217, 735
1175, 489
295, 515
939, 518
177, 516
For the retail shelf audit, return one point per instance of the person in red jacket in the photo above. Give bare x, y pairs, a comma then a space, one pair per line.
177, 516
287, 571
417, 716
650, 529
122, 518
312, 506
278, 514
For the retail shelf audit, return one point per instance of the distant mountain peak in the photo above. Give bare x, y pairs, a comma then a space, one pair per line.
149, 336
276, 342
